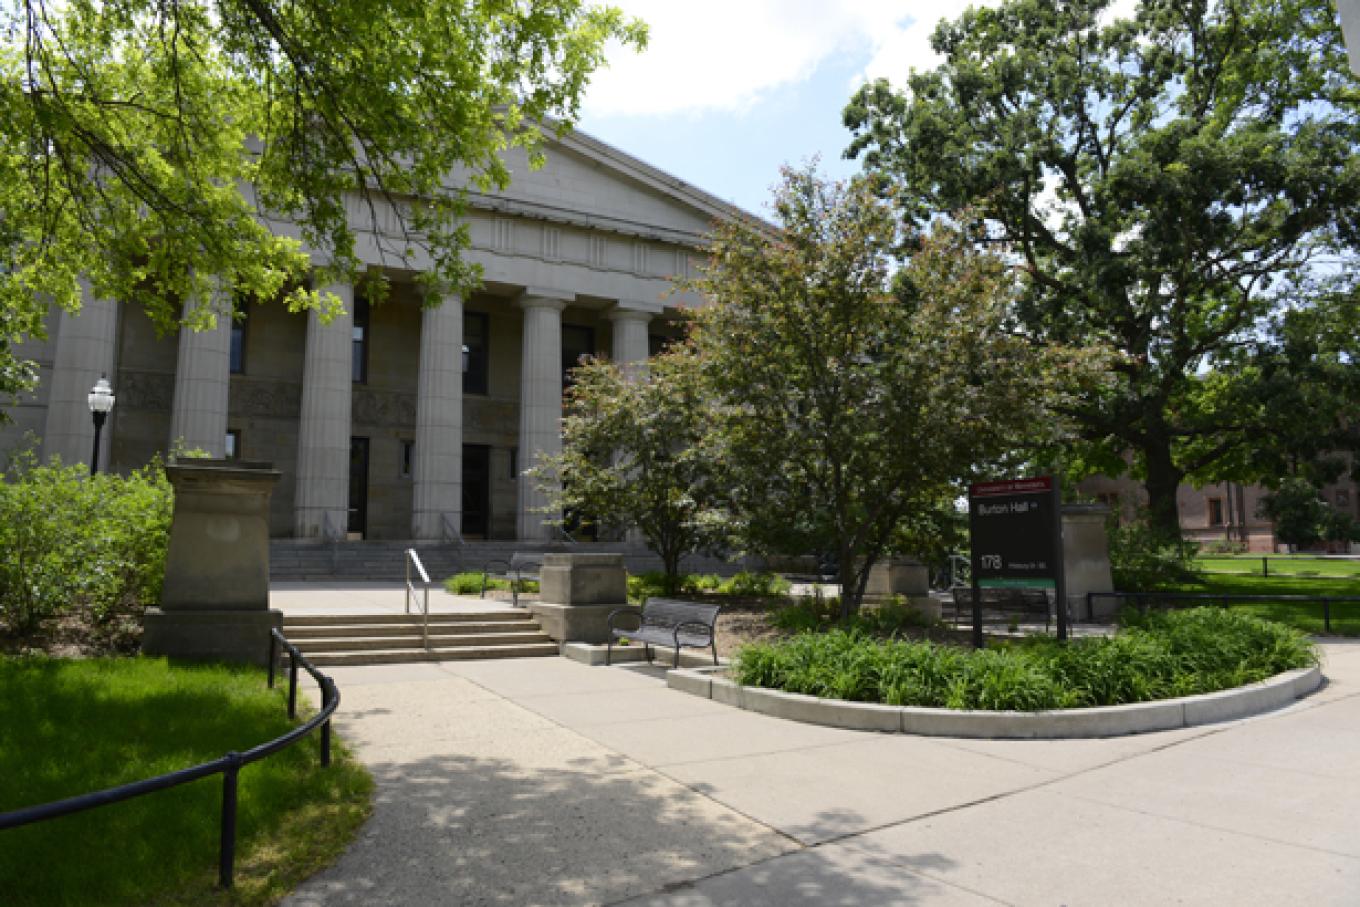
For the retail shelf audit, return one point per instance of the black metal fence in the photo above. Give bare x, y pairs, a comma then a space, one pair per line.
229, 765
1143, 600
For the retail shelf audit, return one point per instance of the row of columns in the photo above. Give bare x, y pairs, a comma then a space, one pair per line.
86, 349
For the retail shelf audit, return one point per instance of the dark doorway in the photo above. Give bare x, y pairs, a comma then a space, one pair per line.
476, 490
358, 486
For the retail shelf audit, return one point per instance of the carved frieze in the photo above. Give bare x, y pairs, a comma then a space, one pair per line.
388, 409
256, 398
145, 390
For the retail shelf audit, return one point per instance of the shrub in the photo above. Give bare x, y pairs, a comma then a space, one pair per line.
70, 540
1156, 656
1141, 560
471, 584
818, 614
755, 585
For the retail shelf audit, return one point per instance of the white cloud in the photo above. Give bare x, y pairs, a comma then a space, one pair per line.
726, 55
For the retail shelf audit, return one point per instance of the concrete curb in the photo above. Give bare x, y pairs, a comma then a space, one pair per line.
593, 654
1105, 721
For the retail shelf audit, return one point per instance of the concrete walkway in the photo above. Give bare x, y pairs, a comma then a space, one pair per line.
542, 781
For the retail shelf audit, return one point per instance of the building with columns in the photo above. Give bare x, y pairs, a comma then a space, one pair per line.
399, 420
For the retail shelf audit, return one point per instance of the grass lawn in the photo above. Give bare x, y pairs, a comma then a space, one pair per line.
1280, 565
1306, 617
76, 726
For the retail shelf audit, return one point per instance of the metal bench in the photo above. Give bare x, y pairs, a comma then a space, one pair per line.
667, 622
1007, 601
523, 567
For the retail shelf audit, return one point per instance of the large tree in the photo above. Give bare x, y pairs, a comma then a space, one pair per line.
1168, 183
852, 398
167, 150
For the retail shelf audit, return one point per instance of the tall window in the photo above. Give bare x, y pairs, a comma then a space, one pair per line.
232, 449
475, 356
359, 348
1215, 511
238, 337
577, 343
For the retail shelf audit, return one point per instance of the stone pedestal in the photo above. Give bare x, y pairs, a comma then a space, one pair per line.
898, 576
577, 593
1086, 559
215, 600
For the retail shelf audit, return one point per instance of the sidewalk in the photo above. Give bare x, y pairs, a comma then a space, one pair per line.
543, 781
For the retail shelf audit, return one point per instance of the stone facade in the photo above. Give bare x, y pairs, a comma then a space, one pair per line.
380, 437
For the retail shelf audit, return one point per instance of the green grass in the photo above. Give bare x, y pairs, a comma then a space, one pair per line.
1280, 565
1162, 655
76, 726
1303, 616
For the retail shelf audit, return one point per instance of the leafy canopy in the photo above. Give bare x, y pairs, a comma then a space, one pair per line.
849, 402
164, 150
1167, 183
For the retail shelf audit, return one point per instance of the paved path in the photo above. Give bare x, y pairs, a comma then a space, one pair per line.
543, 781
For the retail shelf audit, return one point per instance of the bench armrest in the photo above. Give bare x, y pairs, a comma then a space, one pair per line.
487, 565
625, 612
707, 628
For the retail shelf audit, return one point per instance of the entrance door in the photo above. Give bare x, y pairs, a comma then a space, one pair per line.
476, 490
358, 486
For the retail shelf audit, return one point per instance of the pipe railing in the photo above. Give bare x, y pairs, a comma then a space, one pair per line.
228, 765
413, 559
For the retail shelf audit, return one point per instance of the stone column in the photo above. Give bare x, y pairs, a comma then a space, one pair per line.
86, 349
540, 404
438, 468
202, 379
324, 423
630, 336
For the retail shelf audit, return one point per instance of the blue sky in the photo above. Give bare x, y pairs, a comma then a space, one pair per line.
729, 90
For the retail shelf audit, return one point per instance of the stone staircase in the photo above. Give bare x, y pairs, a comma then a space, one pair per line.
368, 639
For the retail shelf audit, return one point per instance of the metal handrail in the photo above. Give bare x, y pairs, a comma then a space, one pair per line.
1141, 599
228, 765
414, 559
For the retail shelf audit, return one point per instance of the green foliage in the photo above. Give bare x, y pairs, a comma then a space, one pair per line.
91, 724
69, 540
1301, 517
756, 585
471, 584
632, 456
1141, 559
850, 402
1149, 175
819, 614
1152, 657
126, 130
743, 585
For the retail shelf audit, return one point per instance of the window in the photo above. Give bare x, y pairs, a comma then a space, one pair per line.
232, 449
514, 462
408, 459
475, 356
577, 342
1215, 511
1110, 499
1343, 501
238, 338
359, 348
657, 344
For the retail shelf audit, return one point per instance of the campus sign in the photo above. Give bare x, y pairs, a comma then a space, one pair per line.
1016, 538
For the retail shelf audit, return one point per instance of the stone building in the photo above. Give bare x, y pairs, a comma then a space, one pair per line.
397, 421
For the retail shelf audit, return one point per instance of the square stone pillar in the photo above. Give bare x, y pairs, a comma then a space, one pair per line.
437, 489
577, 593
324, 422
1086, 559
540, 406
215, 599
904, 576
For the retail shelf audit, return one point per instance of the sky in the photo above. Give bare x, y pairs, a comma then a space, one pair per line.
728, 91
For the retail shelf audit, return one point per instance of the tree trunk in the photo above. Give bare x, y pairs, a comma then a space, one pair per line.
1163, 480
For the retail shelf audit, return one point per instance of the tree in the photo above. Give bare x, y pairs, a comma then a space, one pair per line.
166, 151
849, 403
1167, 182
632, 455
1296, 510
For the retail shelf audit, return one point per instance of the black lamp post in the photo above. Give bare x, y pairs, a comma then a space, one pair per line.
101, 401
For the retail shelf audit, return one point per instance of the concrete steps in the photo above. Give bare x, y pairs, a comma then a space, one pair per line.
364, 639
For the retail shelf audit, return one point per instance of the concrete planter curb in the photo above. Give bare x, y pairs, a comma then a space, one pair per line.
1104, 721
593, 654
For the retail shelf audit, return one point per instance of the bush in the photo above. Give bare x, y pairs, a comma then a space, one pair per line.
1157, 656
643, 586
1142, 561
72, 541
471, 584
820, 614
755, 585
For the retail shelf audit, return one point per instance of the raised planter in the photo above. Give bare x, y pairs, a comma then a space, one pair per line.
1104, 721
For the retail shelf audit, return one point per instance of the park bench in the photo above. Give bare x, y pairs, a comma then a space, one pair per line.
1007, 601
667, 622
523, 567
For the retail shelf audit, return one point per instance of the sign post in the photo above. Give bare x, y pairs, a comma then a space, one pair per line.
1015, 529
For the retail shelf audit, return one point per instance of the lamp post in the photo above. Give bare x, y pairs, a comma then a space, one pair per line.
101, 401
